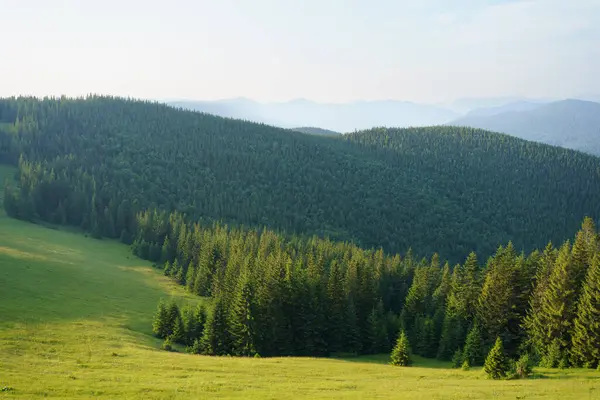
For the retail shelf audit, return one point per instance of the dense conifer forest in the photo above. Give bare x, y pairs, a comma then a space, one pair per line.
303, 242
96, 162
275, 296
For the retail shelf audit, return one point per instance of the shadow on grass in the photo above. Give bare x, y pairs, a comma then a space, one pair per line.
419, 362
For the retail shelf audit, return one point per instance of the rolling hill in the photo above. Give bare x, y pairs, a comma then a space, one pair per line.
95, 162
573, 124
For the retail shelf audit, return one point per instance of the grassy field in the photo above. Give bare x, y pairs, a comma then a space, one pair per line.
75, 317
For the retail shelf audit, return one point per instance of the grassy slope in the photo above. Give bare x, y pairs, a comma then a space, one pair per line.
75, 318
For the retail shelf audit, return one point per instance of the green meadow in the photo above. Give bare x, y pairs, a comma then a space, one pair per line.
75, 322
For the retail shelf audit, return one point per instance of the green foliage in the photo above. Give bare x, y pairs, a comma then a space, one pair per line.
553, 355
160, 325
457, 359
196, 347
522, 368
496, 364
465, 365
216, 339
167, 344
401, 354
473, 346
585, 349
179, 334
461, 304
242, 320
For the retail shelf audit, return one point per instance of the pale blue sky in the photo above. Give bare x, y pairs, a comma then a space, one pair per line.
324, 50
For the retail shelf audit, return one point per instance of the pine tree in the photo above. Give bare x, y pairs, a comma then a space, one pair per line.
496, 303
178, 334
558, 305
585, 350
473, 346
203, 280
353, 343
461, 306
337, 308
173, 315
166, 253
496, 364
160, 325
534, 322
377, 335
216, 340
457, 358
242, 321
193, 322
401, 354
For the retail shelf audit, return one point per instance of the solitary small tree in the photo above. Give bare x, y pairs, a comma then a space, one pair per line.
496, 365
401, 353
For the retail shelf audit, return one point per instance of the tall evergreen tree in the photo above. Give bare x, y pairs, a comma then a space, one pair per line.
337, 308
496, 303
352, 342
242, 320
534, 321
473, 351
558, 305
160, 325
461, 306
216, 340
585, 350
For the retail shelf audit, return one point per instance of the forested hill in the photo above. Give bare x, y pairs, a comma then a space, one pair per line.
96, 162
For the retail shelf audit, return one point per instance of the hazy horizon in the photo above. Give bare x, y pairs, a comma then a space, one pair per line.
424, 52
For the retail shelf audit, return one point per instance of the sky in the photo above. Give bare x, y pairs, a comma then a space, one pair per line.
428, 51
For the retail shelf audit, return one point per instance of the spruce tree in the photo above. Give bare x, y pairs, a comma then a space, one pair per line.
160, 325
461, 306
242, 320
337, 308
496, 303
178, 334
216, 340
353, 343
534, 321
401, 354
377, 335
473, 346
585, 349
173, 315
496, 363
457, 358
558, 305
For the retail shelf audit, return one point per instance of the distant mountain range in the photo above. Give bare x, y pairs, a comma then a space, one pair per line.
347, 117
574, 124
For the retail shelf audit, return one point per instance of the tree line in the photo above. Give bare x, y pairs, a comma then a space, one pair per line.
95, 162
276, 295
